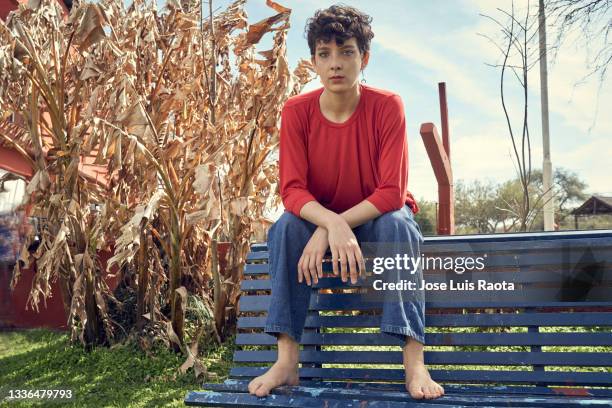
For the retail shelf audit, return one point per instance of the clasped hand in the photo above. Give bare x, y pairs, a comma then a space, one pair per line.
343, 245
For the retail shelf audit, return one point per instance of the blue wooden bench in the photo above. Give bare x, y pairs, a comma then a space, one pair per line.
568, 276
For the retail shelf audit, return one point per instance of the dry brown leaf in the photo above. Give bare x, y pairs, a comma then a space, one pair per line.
196, 217
187, 364
204, 175
238, 205
90, 70
277, 7
172, 335
90, 28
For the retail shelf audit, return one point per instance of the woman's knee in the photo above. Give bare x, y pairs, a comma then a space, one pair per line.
391, 219
401, 221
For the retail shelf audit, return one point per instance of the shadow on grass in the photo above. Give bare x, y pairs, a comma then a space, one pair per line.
122, 376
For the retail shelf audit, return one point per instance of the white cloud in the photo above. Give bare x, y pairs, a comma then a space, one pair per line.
591, 161
466, 87
478, 152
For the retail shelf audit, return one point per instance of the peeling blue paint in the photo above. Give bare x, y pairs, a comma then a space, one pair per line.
315, 392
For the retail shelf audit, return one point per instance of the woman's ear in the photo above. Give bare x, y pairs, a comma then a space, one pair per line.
365, 59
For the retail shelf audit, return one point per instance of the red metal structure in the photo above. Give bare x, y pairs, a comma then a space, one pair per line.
6, 6
439, 156
14, 312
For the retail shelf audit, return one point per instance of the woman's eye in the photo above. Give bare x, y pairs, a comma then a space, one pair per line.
322, 54
349, 52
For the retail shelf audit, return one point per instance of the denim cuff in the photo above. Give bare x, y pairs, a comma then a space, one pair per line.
402, 332
276, 330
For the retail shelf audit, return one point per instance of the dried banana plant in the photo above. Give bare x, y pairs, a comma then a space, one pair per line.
182, 113
247, 175
42, 80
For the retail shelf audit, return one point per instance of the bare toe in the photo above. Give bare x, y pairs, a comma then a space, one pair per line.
262, 391
253, 385
278, 374
415, 391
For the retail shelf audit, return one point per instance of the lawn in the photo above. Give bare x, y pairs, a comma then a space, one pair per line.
120, 377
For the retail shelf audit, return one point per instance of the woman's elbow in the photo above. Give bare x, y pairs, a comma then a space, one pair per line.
394, 199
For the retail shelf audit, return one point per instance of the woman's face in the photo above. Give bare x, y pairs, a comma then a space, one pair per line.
338, 66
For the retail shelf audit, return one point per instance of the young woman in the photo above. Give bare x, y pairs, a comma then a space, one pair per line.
343, 176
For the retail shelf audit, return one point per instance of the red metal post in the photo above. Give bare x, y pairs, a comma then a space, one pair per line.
444, 118
439, 156
444, 175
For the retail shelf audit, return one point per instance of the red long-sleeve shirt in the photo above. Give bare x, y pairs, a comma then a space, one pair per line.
341, 164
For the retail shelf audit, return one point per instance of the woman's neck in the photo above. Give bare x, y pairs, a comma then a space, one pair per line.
339, 106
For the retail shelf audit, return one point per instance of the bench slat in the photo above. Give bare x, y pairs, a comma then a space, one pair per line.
527, 257
344, 301
459, 395
259, 247
455, 320
439, 339
551, 238
515, 358
258, 269
463, 389
468, 389
489, 376
222, 399
516, 278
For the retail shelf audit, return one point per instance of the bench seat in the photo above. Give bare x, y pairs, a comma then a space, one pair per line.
539, 358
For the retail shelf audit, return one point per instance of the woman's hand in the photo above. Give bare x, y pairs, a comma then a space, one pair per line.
345, 249
310, 264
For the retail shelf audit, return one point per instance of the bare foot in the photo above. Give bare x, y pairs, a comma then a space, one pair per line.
279, 374
419, 383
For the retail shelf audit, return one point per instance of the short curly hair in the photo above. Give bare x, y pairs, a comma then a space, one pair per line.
341, 22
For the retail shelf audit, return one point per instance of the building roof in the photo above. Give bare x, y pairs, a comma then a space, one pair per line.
11, 160
596, 204
6, 6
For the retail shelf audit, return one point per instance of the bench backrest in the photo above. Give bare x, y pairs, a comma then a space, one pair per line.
569, 272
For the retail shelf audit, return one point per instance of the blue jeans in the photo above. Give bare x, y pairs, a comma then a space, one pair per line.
402, 315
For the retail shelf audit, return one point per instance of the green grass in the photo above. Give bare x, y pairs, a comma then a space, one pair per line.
119, 377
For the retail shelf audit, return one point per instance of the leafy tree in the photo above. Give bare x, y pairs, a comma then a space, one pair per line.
489, 207
568, 191
476, 207
426, 217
